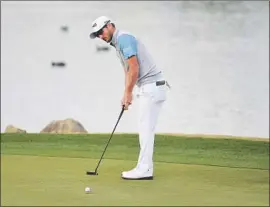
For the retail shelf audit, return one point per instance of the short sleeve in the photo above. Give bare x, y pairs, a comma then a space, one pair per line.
128, 45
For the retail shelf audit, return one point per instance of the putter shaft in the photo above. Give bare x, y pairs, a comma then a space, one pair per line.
95, 173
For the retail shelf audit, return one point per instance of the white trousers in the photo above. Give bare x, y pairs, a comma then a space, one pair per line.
150, 99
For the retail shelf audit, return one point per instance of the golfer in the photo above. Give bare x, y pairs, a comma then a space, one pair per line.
140, 70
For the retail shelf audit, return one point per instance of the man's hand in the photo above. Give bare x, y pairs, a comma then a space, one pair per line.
127, 100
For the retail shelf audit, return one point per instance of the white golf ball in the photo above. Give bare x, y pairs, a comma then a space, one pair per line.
87, 190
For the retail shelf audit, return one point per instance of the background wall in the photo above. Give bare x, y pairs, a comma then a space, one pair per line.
214, 54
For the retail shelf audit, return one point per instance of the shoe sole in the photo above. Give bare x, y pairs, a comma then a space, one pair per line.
143, 178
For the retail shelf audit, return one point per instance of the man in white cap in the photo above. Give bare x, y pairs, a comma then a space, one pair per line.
140, 70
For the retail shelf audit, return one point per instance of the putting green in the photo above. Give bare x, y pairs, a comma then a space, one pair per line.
40, 180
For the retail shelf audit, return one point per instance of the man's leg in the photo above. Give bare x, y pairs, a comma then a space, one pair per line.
149, 110
151, 99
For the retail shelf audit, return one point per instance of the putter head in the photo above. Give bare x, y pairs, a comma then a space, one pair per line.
91, 173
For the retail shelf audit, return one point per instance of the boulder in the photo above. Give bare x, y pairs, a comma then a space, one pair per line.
64, 28
101, 45
58, 64
67, 126
13, 129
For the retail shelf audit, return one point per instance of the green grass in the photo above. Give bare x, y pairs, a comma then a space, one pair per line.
219, 152
49, 169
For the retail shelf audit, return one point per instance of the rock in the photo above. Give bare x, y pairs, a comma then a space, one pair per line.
58, 64
101, 45
67, 126
13, 129
102, 48
64, 28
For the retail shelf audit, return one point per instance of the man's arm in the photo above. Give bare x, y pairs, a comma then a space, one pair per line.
132, 74
128, 47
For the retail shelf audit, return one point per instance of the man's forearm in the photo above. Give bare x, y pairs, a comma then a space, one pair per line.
131, 79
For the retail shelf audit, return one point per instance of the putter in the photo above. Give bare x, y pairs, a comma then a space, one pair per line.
95, 172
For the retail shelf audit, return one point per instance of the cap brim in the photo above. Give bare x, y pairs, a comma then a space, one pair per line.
93, 35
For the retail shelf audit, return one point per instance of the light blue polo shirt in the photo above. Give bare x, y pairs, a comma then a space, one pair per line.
127, 46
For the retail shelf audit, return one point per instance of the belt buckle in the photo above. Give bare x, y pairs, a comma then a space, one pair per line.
160, 83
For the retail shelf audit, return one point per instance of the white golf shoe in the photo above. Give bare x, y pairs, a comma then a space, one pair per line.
136, 174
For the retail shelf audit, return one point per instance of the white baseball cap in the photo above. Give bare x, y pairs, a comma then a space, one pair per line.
98, 24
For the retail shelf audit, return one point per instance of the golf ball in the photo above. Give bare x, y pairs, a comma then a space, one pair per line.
87, 190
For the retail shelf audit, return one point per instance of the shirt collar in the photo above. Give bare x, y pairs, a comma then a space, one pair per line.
114, 38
